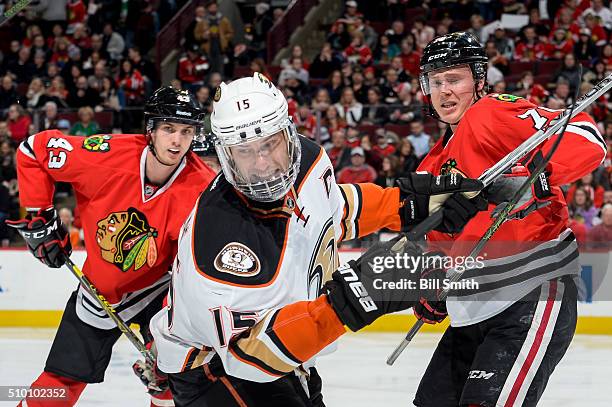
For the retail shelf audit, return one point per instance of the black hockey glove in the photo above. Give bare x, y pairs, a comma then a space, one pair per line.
356, 291
429, 308
45, 235
154, 379
422, 194
504, 188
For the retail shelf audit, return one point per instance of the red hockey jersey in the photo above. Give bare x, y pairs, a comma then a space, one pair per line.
493, 127
131, 240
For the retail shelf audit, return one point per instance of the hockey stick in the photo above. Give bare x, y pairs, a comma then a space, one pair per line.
110, 311
493, 173
11, 12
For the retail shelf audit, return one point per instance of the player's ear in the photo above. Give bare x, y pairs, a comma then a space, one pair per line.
481, 85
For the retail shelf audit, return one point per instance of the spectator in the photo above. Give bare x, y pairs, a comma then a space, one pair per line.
349, 108
389, 86
109, 95
529, 48
144, 66
39, 65
350, 14
585, 49
389, 172
131, 84
598, 9
569, 71
321, 101
49, 116
531, 91
261, 25
370, 37
358, 51
8, 165
295, 70
296, 52
397, 32
499, 86
8, 93
63, 125
591, 187
192, 69
358, 171
600, 236
409, 109
258, 65
561, 94
372, 157
385, 50
541, 27
36, 95
57, 91
333, 122
202, 95
81, 37
86, 126
216, 36
22, 69
96, 81
113, 42
60, 52
383, 148
407, 160
51, 12
305, 121
326, 62
339, 37
476, 28
360, 89
398, 65
418, 138
18, 123
410, 57
581, 208
97, 45
598, 34
40, 46
422, 32
504, 45
374, 113
560, 44
339, 153
334, 86
11, 55
83, 95
597, 72
65, 215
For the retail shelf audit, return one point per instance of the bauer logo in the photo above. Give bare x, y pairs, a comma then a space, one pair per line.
237, 259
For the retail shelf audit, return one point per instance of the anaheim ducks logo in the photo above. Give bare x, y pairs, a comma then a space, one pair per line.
237, 259
450, 167
127, 240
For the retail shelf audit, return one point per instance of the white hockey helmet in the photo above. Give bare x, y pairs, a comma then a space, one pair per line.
245, 112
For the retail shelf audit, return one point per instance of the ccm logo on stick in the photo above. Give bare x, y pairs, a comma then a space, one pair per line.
367, 303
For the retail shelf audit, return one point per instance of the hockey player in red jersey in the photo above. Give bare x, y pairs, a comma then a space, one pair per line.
507, 335
133, 192
254, 294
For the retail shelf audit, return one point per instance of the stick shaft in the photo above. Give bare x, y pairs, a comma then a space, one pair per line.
110, 311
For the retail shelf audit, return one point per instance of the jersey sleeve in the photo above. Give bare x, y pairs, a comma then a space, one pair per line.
501, 122
46, 158
361, 209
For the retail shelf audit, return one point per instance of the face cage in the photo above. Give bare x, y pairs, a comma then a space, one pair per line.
269, 190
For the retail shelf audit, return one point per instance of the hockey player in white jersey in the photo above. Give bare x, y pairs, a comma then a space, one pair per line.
251, 301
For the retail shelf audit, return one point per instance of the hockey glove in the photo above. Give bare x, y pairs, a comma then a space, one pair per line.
429, 308
45, 236
504, 188
154, 379
356, 291
422, 194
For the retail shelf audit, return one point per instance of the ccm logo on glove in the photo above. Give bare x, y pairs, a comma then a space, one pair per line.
41, 233
349, 275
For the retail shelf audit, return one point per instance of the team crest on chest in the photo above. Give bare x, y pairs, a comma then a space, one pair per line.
237, 259
126, 239
450, 167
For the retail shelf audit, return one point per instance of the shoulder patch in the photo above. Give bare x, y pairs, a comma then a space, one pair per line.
217, 96
97, 144
504, 97
237, 259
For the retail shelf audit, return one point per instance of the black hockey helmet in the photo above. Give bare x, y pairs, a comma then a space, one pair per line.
460, 48
176, 106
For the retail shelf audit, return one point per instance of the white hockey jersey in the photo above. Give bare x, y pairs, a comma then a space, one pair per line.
246, 281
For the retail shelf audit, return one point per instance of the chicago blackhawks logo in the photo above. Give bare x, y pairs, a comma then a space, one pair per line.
127, 240
97, 143
450, 167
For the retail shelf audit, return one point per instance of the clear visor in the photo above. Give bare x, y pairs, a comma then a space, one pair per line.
263, 169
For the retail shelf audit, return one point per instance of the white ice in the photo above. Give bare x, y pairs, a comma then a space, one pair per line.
354, 376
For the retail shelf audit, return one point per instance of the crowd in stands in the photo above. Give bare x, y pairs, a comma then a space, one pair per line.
358, 95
